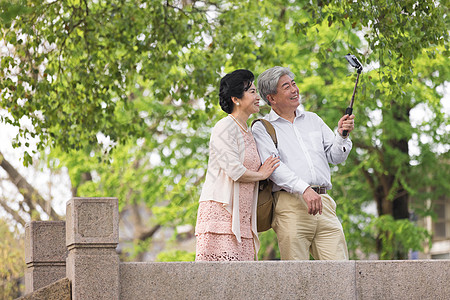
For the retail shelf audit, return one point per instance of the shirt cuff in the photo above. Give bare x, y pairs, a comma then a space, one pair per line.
340, 140
300, 187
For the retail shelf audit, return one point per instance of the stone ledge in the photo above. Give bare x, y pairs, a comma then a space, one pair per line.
59, 290
238, 280
421, 279
403, 279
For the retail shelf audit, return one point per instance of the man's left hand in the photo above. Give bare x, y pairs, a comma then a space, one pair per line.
313, 201
346, 123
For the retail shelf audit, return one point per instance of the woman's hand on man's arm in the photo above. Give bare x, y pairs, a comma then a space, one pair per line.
266, 169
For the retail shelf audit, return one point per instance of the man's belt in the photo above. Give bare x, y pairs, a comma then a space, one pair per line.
316, 188
319, 189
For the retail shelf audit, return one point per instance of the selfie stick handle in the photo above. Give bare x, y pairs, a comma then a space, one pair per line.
349, 110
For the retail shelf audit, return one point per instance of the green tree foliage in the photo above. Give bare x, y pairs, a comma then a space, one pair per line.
125, 94
176, 255
412, 59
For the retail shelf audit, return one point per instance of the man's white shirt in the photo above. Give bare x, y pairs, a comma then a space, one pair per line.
306, 147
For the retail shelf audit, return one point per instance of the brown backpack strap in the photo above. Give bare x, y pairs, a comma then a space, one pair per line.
270, 130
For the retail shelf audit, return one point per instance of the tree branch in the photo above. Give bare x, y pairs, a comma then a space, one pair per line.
149, 233
30, 194
12, 212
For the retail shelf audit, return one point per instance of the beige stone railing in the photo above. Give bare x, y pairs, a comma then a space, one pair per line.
82, 250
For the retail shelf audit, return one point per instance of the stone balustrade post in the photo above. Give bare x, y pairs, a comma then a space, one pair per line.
92, 235
45, 253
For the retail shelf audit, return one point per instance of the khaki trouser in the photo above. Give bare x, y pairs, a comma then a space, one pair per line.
300, 233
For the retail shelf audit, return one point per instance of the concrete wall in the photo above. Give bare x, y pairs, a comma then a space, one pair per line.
427, 279
85, 254
238, 280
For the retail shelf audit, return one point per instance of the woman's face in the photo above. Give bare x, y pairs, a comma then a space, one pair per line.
249, 103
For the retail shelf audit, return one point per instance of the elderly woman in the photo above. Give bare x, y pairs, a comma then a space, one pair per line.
226, 220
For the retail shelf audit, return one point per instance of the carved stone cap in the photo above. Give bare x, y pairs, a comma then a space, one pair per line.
45, 242
92, 221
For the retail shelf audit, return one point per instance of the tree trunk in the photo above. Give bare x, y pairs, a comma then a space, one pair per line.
398, 207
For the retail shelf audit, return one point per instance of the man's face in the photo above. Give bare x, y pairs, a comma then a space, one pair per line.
287, 96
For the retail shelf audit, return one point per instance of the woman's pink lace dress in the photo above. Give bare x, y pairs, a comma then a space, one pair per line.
215, 240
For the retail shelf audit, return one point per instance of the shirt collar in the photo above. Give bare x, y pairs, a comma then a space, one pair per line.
273, 116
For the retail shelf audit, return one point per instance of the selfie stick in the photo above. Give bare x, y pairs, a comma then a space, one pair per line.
354, 62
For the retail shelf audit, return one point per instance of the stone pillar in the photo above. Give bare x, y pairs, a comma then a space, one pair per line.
45, 253
92, 235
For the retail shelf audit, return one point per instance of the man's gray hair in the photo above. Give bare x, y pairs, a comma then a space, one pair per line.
268, 80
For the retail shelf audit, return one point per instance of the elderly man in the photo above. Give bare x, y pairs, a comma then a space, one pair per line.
305, 215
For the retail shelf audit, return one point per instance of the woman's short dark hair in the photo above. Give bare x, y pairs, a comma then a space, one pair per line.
234, 84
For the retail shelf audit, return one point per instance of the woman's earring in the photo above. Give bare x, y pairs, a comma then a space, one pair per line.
237, 104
